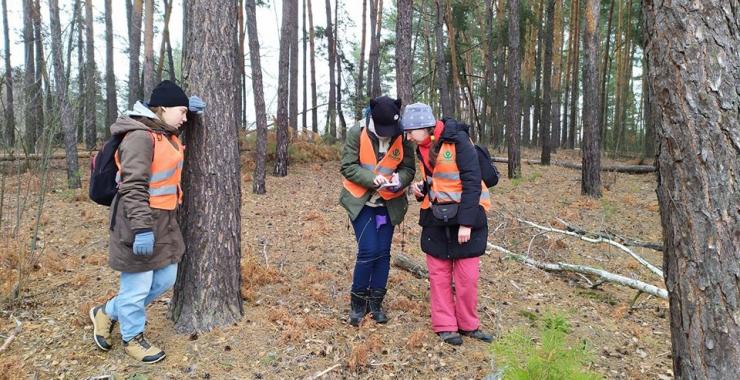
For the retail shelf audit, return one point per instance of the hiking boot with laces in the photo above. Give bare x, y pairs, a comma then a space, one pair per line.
140, 349
450, 337
478, 334
102, 327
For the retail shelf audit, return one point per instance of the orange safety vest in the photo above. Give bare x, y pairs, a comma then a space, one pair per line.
164, 183
369, 161
445, 185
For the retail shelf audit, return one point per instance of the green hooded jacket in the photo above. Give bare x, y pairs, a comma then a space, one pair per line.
352, 171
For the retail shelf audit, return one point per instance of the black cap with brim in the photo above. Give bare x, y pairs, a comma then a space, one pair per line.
386, 112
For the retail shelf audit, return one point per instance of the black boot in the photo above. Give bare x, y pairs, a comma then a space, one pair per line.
376, 305
358, 306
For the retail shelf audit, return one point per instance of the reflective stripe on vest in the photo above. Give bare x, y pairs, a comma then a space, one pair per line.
386, 167
166, 171
446, 185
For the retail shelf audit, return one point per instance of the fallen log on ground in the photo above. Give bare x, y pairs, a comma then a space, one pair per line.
12, 335
612, 236
599, 239
628, 169
408, 264
600, 273
37, 156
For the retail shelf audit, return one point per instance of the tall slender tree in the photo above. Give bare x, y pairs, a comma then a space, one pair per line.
489, 81
80, 111
304, 115
339, 56
282, 132
293, 99
331, 113
537, 99
40, 72
165, 42
574, 85
546, 83
359, 99
9, 132
404, 60
373, 47
148, 68
441, 68
207, 291
697, 124
376, 80
513, 120
65, 111
30, 90
557, 72
258, 181
111, 108
500, 70
604, 91
91, 91
134, 49
591, 152
312, 58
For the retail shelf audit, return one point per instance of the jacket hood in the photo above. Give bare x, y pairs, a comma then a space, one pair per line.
452, 128
128, 122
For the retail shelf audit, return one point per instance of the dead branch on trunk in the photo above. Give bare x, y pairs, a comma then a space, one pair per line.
628, 169
612, 236
600, 273
599, 239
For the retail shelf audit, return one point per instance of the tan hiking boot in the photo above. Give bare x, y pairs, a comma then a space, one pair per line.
140, 349
102, 327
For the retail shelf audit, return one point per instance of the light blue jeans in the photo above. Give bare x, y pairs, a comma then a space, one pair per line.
138, 289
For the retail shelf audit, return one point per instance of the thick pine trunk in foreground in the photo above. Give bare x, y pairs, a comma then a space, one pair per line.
693, 55
404, 59
207, 292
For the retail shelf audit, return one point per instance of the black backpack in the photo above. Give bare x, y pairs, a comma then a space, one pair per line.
103, 169
488, 170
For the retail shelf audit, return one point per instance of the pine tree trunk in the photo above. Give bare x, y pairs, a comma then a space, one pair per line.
538, 76
498, 131
165, 39
293, 100
304, 115
444, 92
373, 56
556, 76
148, 69
81, 102
331, 114
591, 152
547, 82
314, 110
258, 180
455, 88
29, 78
91, 87
359, 99
512, 127
376, 89
282, 133
39, 74
648, 104
697, 123
574, 85
604, 92
134, 38
207, 292
489, 81
404, 60
338, 55
111, 107
9, 107
529, 51
65, 112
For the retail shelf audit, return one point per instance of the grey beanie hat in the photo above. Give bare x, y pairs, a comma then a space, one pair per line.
417, 116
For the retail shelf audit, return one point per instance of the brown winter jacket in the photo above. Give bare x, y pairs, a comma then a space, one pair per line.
131, 204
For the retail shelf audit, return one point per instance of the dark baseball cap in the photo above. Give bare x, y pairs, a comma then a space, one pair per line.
386, 114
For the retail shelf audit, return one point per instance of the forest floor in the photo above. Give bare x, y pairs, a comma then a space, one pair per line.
298, 255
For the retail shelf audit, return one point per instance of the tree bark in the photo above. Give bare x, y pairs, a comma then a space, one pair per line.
111, 107
698, 128
314, 105
339, 56
282, 133
404, 60
81, 82
165, 42
9, 107
293, 100
648, 104
359, 99
148, 69
39, 75
489, 83
574, 84
91, 87
498, 131
134, 38
604, 92
70, 140
512, 127
373, 56
304, 115
538, 78
557, 72
444, 92
546, 82
331, 113
29, 79
258, 180
591, 151
207, 291
376, 89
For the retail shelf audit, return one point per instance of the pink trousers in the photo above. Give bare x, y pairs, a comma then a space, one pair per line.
453, 311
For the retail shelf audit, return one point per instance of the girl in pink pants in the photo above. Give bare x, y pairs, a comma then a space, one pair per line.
453, 218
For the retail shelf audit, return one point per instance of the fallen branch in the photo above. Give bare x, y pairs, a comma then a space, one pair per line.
408, 264
12, 335
612, 236
602, 274
628, 169
39, 156
324, 372
598, 239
